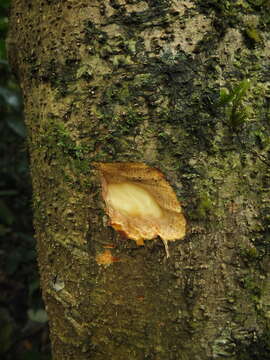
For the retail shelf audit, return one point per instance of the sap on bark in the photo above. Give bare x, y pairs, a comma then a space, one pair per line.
106, 258
140, 202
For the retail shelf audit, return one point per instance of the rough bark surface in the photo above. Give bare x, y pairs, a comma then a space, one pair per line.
128, 80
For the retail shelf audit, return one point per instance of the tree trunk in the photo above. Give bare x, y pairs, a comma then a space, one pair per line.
128, 81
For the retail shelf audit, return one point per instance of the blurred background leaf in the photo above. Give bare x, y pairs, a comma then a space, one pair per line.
23, 320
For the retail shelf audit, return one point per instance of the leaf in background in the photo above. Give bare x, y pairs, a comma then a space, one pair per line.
4, 230
23, 168
33, 286
5, 4
11, 98
13, 261
3, 24
3, 62
32, 355
3, 54
39, 315
6, 216
6, 330
8, 192
17, 125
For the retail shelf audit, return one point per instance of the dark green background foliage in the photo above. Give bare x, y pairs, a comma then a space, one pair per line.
23, 321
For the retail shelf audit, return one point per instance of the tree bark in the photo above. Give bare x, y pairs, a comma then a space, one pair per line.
139, 81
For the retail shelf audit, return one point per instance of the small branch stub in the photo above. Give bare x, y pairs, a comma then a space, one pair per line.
140, 203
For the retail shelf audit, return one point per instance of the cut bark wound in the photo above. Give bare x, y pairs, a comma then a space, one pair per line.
140, 203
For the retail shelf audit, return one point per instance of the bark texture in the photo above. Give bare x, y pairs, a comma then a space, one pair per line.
139, 81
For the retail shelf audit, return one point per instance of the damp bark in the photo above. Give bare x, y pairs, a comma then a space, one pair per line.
139, 81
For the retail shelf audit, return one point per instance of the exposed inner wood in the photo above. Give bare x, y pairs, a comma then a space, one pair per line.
140, 203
